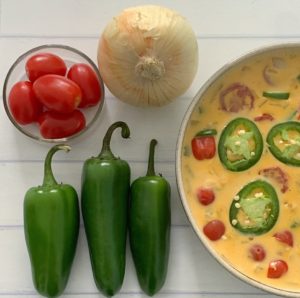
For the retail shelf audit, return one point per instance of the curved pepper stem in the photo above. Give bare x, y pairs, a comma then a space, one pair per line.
150, 170
48, 174
106, 151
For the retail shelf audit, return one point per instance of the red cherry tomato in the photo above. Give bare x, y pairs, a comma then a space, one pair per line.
277, 268
85, 77
214, 230
54, 125
23, 104
44, 63
205, 196
204, 147
57, 93
257, 252
285, 237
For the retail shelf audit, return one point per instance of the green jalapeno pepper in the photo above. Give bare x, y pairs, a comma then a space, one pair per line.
104, 201
207, 132
255, 209
284, 142
240, 145
149, 228
51, 223
276, 95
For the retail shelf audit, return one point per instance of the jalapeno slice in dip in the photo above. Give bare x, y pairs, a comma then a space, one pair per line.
284, 142
276, 95
240, 145
255, 209
207, 132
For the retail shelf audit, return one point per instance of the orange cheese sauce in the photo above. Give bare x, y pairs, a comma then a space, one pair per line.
275, 72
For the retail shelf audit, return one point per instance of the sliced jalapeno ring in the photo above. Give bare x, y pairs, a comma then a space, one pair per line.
240, 145
284, 142
206, 132
255, 209
276, 95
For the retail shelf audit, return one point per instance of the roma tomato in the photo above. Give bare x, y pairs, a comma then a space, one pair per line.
214, 230
54, 125
44, 63
257, 252
24, 106
57, 93
85, 77
277, 268
204, 147
285, 237
205, 196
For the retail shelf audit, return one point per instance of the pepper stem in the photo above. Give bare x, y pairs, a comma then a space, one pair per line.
106, 151
48, 174
150, 170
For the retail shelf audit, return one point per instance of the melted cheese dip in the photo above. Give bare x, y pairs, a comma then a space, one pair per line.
277, 71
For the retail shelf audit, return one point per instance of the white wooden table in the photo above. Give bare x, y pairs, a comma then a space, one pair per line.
225, 29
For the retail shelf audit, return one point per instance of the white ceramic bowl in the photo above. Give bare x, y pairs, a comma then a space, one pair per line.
180, 175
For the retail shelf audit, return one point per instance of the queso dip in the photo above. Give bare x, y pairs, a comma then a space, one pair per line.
240, 146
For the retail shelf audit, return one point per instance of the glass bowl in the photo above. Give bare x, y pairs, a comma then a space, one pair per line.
17, 73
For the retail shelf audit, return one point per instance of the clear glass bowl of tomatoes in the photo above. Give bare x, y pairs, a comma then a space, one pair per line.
53, 93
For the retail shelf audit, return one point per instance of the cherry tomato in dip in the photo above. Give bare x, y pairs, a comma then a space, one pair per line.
54, 125
85, 77
277, 268
24, 106
57, 93
257, 252
205, 196
44, 63
214, 230
285, 237
204, 147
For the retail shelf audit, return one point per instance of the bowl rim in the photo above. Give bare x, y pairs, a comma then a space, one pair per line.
32, 51
234, 271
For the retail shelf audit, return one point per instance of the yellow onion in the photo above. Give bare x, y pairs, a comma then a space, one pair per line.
148, 55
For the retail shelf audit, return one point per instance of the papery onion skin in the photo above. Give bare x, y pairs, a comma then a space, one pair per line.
148, 55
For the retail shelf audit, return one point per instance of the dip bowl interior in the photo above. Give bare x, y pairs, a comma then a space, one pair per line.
240, 130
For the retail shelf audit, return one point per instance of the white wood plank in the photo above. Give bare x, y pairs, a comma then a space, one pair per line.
139, 294
213, 53
15, 181
226, 29
188, 269
162, 123
208, 18
144, 124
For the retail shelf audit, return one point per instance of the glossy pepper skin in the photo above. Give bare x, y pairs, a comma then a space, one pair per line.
238, 135
51, 223
104, 201
255, 209
289, 153
149, 226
